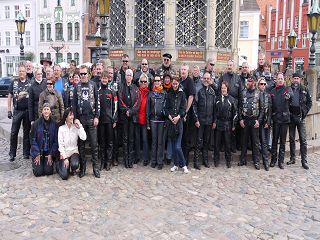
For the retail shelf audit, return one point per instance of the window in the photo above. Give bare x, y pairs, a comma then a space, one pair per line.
28, 38
49, 56
27, 10
45, 3
244, 29
296, 22
76, 31
41, 55
272, 43
17, 39
70, 31
73, 3
304, 40
7, 38
7, 11
41, 32
59, 32
69, 57
59, 57
48, 32
76, 58
288, 23
280, 42
16, 10
280, 24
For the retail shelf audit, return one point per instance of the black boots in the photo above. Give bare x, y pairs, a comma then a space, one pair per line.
292, 161
305, 165
96, 172
83, 166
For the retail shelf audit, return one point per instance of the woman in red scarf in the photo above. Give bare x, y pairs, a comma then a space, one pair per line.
141, 129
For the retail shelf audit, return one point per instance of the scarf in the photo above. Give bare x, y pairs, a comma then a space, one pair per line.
167, 86
144, 91
157, 89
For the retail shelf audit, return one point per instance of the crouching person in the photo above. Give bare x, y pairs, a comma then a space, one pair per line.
44, 144
68, 136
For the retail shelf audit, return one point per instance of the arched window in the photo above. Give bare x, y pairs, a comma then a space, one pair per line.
41, 32
69, 57
76, 31
191, 23
59, 31
76, 58
149, 21
48, 31
70, 31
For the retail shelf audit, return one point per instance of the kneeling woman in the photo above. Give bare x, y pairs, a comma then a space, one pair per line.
68, 136
44, 145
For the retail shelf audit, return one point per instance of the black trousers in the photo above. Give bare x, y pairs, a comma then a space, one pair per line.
157, 151
253, 133
128, 141
226, 137
202, 143
141, 133
301, 127
188, 137
18, 117
73, 165
264, 134
43, 168
279, 131
106, 142
91, 132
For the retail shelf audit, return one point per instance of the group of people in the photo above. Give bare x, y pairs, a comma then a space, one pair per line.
172, 113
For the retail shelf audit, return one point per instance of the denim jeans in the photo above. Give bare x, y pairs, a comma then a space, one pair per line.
178, 156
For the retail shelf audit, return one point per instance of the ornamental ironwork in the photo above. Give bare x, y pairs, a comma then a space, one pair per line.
191, 23
117, 23
149, 23
224, 20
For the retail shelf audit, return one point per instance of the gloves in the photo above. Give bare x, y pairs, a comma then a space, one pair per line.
9, 114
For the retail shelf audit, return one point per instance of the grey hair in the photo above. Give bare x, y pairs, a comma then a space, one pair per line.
36, 69
129, 71
143, 75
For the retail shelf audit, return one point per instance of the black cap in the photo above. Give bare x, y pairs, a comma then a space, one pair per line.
167, 55
297, 74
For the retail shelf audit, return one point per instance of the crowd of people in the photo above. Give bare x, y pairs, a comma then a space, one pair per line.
156, 116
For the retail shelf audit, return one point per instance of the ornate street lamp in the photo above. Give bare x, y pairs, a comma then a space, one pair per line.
104, 11
292, 37
21, 26
97, 37
313, 24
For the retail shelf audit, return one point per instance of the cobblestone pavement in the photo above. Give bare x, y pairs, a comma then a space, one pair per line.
145, 203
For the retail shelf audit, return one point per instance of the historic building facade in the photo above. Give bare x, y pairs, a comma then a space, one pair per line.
59, 30
287, 15
9, 38
192, 30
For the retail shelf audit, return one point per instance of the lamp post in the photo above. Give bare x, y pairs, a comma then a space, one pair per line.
21, 25
292, 37
97, 37
104, 10
313, 24
57, 48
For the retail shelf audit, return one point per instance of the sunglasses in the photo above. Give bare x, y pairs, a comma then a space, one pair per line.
125, 61
144, 64
262, 84
157, 80
166, 59
143, 81
49, 83
212, 64
83, 74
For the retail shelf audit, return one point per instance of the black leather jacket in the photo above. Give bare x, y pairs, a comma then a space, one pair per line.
280, 101
251, 104
108, 105
129, 97
266, 108
155, 107
175, 103
298, 114
226, 113
203, 105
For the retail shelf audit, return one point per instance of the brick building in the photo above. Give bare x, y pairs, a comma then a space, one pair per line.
287, 15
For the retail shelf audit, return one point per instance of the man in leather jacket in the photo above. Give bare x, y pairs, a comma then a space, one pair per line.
280, 115
299, 108
250, 113
203, 108
166, 67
